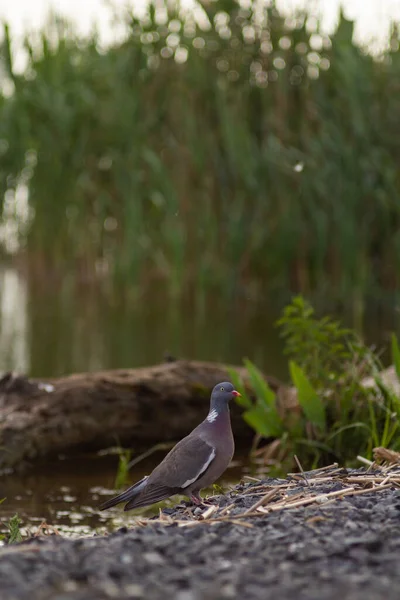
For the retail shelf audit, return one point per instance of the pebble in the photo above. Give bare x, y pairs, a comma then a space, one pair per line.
134, 590
153, 558
186, 595
228, 591
322, 499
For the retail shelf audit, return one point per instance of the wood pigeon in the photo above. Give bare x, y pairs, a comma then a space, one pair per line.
194, 463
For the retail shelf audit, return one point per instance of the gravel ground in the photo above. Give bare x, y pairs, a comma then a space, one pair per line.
341, 546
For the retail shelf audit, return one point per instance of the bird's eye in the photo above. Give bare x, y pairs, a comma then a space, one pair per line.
222, 389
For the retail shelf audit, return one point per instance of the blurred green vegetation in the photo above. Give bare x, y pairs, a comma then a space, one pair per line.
245, 151
13, 526
345, 408
121, 477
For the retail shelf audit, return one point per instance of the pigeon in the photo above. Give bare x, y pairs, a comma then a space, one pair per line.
194, 463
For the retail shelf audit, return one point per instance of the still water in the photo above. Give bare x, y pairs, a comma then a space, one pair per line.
48, 330
51, 330
66, 492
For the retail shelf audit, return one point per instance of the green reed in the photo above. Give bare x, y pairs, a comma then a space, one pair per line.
254, 155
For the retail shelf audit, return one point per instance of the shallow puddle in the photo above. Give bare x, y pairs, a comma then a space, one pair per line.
66, 494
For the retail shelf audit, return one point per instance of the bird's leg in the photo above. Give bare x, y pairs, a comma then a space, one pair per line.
198, 500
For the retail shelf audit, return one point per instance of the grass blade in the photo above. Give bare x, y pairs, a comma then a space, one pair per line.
396, 354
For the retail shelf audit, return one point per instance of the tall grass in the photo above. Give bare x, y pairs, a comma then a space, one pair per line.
245, 153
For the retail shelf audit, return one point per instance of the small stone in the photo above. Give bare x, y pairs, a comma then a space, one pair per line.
186, 595
126, 559
111, 589
325, 575
350, 525
321, 499
123, 529
228, 591
70, 586
224, 565
134, 590
168, 511
154, 558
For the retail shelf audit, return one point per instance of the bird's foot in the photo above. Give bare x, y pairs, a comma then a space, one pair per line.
198, 501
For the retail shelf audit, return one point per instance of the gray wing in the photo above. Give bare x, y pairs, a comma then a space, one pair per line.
189, 459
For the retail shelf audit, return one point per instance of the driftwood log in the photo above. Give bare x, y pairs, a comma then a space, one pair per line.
135, 407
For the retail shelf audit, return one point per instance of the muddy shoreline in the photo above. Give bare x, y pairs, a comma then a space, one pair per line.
334, 534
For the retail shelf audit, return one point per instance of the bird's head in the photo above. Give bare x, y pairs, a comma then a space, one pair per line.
221, 395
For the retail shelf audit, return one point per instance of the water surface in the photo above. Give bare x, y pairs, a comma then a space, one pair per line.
66, 492
48, 329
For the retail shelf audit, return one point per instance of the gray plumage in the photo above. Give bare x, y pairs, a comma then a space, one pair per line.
194, 463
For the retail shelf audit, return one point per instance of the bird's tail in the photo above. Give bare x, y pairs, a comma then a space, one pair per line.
129, 494
150, 497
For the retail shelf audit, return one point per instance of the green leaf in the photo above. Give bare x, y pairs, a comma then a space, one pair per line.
265, 408
243, 400
309, 400
396, 354
258, 419
259, 385
262, 415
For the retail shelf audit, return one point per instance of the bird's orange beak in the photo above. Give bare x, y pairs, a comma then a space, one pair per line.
235, 393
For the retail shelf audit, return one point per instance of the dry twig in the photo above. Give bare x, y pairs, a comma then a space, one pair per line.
287, 495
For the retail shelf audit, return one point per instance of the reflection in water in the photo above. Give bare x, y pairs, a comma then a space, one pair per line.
75, 328
48, 330
14, 353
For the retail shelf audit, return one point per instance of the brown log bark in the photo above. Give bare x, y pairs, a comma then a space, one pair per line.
135, 407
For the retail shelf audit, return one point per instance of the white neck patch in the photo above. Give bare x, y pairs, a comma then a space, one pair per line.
212, 415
